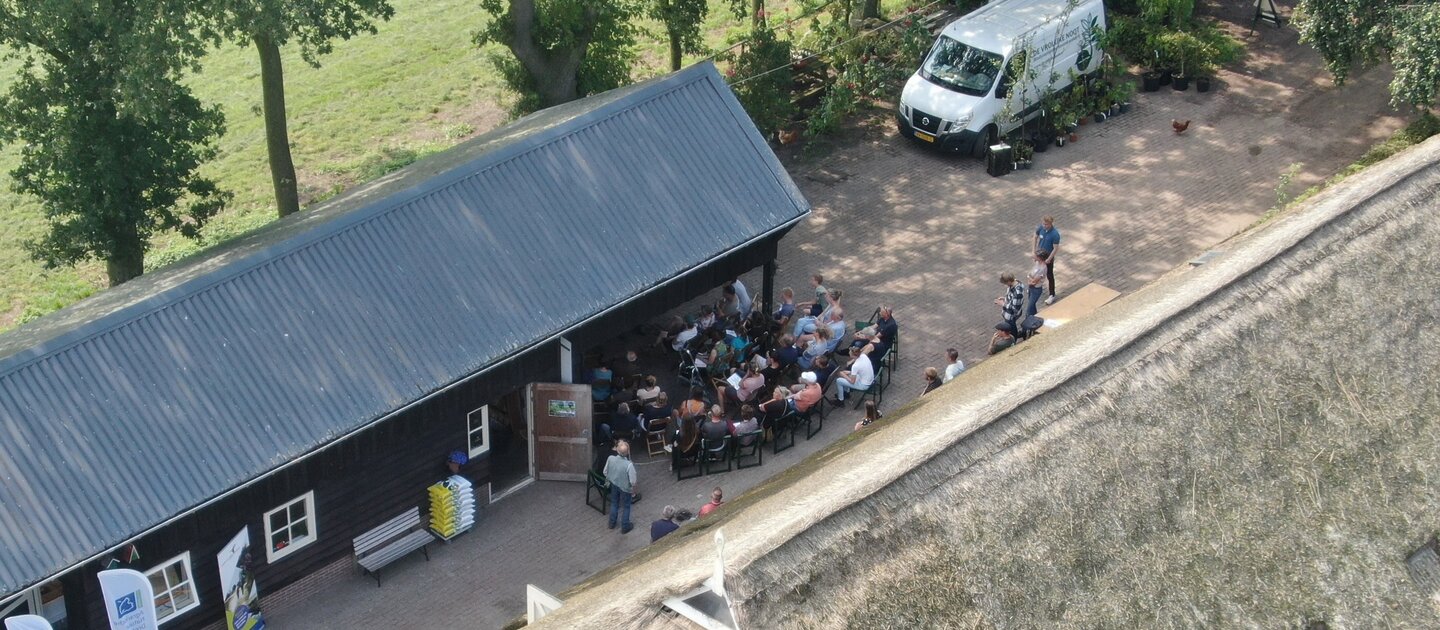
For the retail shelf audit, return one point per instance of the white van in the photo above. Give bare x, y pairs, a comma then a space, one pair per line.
957, 99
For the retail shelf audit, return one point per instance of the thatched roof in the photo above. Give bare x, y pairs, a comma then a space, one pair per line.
1249, 443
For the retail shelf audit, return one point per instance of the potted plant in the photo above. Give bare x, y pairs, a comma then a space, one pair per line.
1024, 154
1123, 91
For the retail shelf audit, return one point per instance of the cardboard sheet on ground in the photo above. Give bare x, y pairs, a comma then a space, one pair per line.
1077, 304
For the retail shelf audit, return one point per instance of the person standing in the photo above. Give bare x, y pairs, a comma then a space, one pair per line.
1011, 303
620, 474
1035, 283
1047, 244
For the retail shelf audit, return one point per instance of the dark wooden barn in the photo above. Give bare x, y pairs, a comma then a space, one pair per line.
308, 382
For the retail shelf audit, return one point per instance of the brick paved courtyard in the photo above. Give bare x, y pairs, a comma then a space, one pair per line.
927, 234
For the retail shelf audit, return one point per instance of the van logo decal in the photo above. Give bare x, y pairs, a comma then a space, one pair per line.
925, 120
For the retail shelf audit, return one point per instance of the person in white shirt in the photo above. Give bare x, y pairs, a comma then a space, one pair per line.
860, 375
690, 332
956, 365
744, 296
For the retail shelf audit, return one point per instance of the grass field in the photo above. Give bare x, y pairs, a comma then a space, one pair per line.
378, 103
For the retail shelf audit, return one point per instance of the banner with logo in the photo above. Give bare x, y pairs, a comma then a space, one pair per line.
27, 622
238, 584
129, 599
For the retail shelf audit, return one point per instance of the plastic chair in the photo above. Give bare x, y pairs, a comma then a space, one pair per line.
748, 445
783, 431
876, 390
712, 453
813, 420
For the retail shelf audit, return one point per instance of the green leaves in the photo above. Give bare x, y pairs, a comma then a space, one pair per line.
312, 24
1351, 34
562, 49
111, 138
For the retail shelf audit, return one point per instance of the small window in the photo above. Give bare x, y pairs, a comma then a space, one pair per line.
174, 586
477, 426
290, 527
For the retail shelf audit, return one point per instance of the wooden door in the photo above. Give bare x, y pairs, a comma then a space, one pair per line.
560, 430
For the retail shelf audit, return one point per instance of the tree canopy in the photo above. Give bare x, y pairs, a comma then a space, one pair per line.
1351, 34
111, 138
269, 24
561, 50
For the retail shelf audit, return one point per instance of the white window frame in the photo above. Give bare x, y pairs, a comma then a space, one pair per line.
271, 554
184, 560
30, 598
471, 429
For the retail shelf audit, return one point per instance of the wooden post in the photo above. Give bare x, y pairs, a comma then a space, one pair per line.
767, 290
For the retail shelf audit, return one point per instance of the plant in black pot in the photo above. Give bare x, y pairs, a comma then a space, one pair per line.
1024, 153
1124, 90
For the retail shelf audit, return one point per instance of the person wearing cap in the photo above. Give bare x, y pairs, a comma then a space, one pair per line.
665, 525
808, 395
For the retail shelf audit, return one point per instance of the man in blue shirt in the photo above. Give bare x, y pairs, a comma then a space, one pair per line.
666, 525
1047, 244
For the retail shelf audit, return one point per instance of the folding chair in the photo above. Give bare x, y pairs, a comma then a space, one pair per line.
712, 453
748, 445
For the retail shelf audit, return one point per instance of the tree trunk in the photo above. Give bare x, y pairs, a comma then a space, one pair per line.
555, 73
757, 12
675, 52
126, 261
871, 9
277, 136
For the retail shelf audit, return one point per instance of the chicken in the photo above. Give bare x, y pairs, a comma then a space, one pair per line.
788, 136
1179, 126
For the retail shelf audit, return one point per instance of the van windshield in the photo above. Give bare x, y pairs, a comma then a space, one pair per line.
961, 68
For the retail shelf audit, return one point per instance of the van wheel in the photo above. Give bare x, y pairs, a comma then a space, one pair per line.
986, 139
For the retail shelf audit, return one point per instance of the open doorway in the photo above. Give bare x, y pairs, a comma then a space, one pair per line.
510, 447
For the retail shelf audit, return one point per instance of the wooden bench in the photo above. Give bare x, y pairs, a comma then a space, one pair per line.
391, 541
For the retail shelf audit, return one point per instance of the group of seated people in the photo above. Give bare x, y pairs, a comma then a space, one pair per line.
744, 354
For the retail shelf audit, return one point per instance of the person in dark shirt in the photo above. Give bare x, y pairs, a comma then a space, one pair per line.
823, 369
932, 380
624, 424
660, 528
771, 371
715, 428
787, 352
658, 412
772, 410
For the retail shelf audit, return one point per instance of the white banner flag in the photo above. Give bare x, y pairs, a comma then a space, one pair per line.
27, 622
129, 599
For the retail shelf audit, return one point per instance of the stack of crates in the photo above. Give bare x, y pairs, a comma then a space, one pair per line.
452, 507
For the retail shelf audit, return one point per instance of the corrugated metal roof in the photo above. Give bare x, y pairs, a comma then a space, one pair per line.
226, 370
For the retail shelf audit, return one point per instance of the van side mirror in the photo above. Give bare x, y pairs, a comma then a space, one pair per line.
1002, 90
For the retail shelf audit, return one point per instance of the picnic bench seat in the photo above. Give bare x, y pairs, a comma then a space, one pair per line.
391, 541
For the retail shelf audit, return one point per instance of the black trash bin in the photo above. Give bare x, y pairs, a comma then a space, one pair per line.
999, 159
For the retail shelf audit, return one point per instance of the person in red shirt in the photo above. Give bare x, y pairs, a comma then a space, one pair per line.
716, 500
